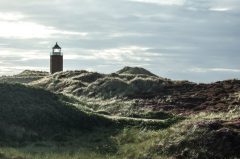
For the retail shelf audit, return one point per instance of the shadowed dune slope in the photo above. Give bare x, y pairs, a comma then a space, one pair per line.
28, 113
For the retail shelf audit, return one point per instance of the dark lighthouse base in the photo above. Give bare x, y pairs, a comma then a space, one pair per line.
56, 63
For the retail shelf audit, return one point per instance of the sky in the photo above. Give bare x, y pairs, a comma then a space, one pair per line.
195, 40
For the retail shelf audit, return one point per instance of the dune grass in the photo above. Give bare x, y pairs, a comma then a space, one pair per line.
106, 137
41, 124
128, 143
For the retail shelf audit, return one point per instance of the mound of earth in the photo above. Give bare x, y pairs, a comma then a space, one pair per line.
146, 91
118, 87
29, 114
32, 73
26, 76
209, 139
92, 84
135, 71
191, 97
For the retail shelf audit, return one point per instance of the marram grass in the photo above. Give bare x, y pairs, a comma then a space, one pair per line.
131, 143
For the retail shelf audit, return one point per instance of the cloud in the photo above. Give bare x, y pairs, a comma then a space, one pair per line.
224, 5
13, 25
225, 70
204, 70
30, 30
21, 58
11, 16
220, 9
122, 55
168, 37
162, 2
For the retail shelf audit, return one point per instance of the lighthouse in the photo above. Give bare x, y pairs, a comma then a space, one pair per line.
56, 59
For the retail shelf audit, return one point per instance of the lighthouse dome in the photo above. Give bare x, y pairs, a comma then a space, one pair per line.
57, 46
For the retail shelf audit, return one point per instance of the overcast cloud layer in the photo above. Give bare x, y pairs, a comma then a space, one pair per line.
196, 40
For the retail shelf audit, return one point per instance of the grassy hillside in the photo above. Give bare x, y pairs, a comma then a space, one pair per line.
26, 76
130, 114
28, 114
127, 83
136, 90
204, 135
135, 71
36, 120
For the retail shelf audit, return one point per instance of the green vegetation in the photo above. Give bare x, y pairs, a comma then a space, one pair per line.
34, 121
124, 93
26, 76
130, 114
30, 114
182, 140
135, 71
199, 136
31, 73
128, 83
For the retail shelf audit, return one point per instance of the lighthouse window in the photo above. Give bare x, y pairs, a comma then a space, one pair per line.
57, 50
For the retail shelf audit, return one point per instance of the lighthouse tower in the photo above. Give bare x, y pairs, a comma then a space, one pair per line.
56, 59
